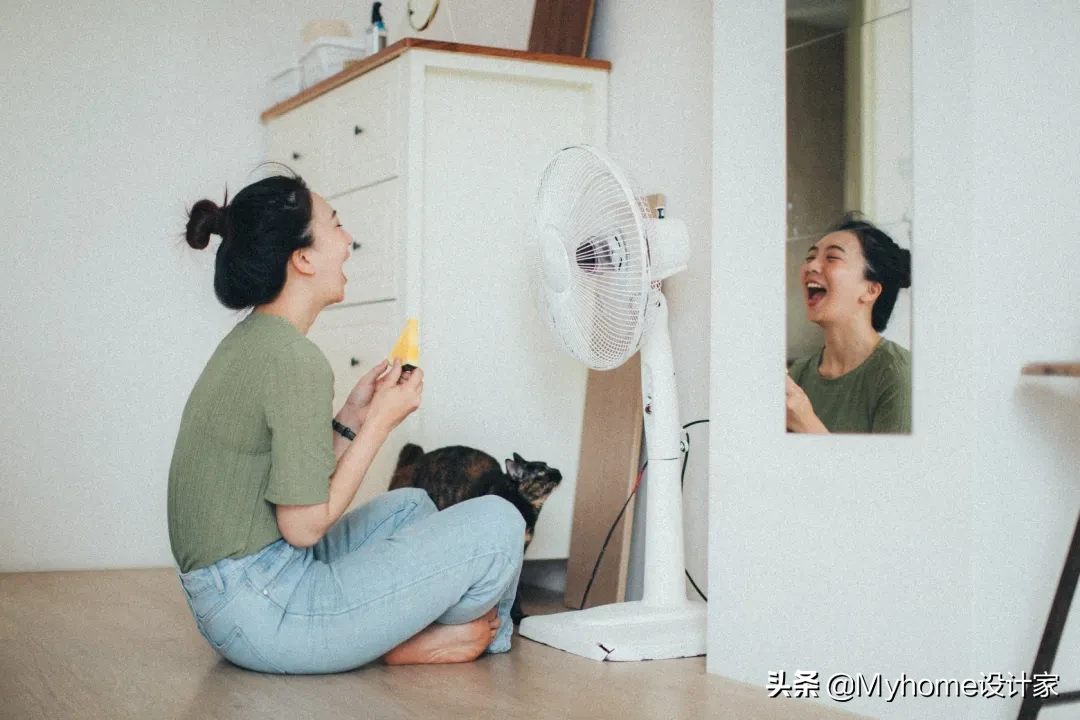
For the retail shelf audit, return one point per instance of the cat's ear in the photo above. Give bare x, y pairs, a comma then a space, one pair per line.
515, 468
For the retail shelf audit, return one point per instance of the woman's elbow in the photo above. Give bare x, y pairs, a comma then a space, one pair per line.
298, 528
300, 538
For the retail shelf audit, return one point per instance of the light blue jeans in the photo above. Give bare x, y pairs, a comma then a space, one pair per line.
384, 572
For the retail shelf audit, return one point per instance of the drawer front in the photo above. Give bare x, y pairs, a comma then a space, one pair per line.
347, 138
289, 140
362, 127
370, 215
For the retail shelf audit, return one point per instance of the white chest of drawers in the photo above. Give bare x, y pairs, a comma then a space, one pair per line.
431, 154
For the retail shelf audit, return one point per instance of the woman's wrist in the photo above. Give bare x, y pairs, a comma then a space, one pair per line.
351, 416
375, 429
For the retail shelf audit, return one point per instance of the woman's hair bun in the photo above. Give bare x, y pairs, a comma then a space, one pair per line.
205, 218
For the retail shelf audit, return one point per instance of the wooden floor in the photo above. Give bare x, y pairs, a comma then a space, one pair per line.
123, 645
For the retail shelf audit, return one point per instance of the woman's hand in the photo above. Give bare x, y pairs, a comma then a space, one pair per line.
353, 412
364, 389
395, 398
801, 417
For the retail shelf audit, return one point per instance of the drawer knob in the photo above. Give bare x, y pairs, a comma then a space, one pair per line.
354, 362
357, 130
355, 246
296, 156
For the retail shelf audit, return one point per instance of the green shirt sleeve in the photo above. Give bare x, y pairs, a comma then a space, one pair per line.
299, 407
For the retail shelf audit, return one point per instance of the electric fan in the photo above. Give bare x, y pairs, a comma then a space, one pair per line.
601, 259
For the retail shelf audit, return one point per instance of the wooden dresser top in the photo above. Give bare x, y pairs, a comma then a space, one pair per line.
359, 67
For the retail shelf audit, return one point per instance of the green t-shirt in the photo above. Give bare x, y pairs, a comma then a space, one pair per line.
255, 432
875, 397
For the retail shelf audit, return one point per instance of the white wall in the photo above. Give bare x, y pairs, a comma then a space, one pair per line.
659, 119
934, 555
115, 116
845, 554
1027, 209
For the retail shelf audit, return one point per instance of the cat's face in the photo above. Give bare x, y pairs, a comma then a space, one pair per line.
535, 480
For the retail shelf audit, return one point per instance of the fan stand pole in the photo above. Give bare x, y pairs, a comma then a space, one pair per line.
664, 624
664, 553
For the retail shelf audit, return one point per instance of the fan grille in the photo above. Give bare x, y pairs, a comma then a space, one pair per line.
590, 233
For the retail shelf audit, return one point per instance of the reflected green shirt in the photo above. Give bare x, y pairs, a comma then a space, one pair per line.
255, 432
875, 397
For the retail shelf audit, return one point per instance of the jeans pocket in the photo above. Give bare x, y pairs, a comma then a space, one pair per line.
238, 650
206, 605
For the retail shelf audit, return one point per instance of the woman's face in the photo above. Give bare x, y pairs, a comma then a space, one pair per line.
331, 246
833, 279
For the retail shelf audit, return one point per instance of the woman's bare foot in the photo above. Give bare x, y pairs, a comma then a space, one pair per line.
447, 643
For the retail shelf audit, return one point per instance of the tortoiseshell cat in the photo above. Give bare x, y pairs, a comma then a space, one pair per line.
453, 474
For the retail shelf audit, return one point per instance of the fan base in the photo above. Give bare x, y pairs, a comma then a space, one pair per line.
625, 631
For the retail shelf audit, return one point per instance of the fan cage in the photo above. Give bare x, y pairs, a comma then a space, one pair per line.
590, 206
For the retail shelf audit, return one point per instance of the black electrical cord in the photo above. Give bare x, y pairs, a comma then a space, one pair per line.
607, 539
641, 473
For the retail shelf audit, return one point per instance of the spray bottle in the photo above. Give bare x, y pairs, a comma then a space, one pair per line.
376, 33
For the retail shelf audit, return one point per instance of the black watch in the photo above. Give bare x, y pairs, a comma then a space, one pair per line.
342, 430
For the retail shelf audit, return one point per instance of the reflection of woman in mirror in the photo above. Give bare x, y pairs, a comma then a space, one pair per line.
859, 381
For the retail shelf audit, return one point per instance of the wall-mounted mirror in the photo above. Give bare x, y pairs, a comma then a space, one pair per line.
849, 238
